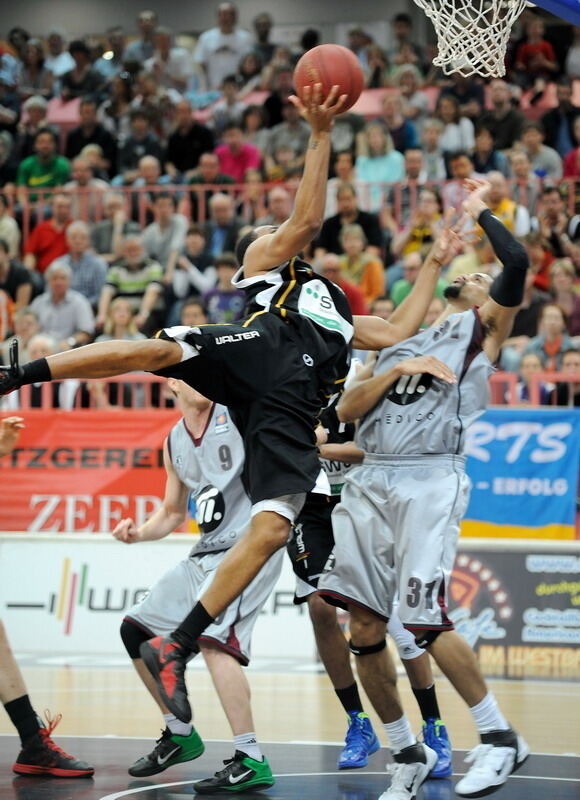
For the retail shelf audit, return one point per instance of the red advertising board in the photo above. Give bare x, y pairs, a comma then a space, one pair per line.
84, 471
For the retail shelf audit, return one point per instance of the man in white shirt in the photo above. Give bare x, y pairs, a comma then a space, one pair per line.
220, 49
173, 66
63, 313
58, 60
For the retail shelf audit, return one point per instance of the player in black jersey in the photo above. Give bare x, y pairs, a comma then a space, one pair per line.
274, 370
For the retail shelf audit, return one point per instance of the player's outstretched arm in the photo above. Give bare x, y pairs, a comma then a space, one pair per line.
507, 290
166, 519
100, 360
301, 227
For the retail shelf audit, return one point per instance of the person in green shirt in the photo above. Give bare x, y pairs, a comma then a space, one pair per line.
411, 266
45, 169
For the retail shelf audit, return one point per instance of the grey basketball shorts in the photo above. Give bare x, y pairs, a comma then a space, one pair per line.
175, 594
395, 533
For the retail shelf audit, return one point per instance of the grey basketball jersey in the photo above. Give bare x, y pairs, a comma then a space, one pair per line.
420, 414
211, 467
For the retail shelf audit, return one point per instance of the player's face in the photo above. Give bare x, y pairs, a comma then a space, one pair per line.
474, 288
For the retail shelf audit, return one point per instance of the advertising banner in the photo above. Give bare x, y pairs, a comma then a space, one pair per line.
524, 468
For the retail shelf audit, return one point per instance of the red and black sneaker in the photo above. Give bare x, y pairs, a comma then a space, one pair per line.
165, 659
41, 756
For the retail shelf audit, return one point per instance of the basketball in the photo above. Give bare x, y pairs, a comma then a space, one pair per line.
331, 65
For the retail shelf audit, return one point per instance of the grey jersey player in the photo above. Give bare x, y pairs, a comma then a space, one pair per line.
397, 525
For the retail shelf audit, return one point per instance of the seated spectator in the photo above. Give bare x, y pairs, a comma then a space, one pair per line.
235, 155
330, 268
112, 66
343, 168
194, 273
359, 43
254, 127
433, 159
24, 327
138, 279
363, 269
572, 160
382, 307
172, 65
558, 123
559, 232
562, 279
292, 133
279, 207
349, 214
540, 259
573, 57
164, 239
402, 130
469, 94
403, 197
344, 132
193, 313
58, 60
526, 321
45, 169
35, 114
224, 304
530, 365
422, 228
461, 168
47, 241
412, 264
409, 81
114, 113
88, 270
220, 49
107, 235
504, 122
404, 49
186, 144
85, 190
62, 313
34, 78
525, 187
207, 174
120, 323
251, 202
282, 166
142, 142
149, 178
15, 280
94, 155
222, 229
250, 74
263, 47
568, 394
156, 101
9, 230
458, 131
90, 131
282, 87
377, 71
9, 106
535, 62
516, 218
378, 162
485, 158
82, 80
230, 109
477, 257
553, 339
545, 161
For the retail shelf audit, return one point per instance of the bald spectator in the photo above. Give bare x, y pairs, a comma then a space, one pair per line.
85, 190
90, 131
88, 270
63, 313
237, 156
172, 65
142, 142
279, 207
222, 230
349, 214
187, 143
9, 230
47, 241
330, 268
503, 121
220, 49
108, 234
139, 50
164, 239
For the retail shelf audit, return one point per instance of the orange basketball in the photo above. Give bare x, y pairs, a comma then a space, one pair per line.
331, 65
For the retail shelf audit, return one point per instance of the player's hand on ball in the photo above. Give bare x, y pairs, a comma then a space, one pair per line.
126, 531
319, 112
427, 364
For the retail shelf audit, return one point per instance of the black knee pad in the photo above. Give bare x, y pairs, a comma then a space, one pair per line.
427, 638
133, 637
366, 650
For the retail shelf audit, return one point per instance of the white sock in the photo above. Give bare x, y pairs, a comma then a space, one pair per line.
248, 744
176, 726
400, 734
487, 715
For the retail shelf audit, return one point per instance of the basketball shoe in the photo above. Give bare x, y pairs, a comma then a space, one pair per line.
499, 754
239, 774
435, 736
169, 749
41, 756
360, 742
166, 659
411, 769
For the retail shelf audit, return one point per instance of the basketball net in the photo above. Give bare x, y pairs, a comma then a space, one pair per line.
472, 35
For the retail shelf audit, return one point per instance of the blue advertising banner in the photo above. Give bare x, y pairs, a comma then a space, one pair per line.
524, 466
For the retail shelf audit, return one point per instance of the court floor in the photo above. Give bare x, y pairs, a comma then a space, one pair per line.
109, 720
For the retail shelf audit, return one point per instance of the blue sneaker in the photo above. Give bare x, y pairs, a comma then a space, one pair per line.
360, 742
435, 736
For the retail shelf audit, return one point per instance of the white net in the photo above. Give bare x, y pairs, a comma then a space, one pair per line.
472, 35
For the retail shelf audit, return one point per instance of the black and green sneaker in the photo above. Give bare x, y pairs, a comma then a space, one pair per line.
240, 774
170, 749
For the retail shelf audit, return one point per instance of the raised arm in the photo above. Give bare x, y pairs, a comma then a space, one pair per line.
301, 227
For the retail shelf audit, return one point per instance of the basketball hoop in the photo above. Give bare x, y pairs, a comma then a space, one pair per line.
472, 35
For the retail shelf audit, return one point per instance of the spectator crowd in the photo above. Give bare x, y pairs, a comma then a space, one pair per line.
126, 220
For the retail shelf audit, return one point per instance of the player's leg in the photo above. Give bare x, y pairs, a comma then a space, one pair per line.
39, 755
418, 668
